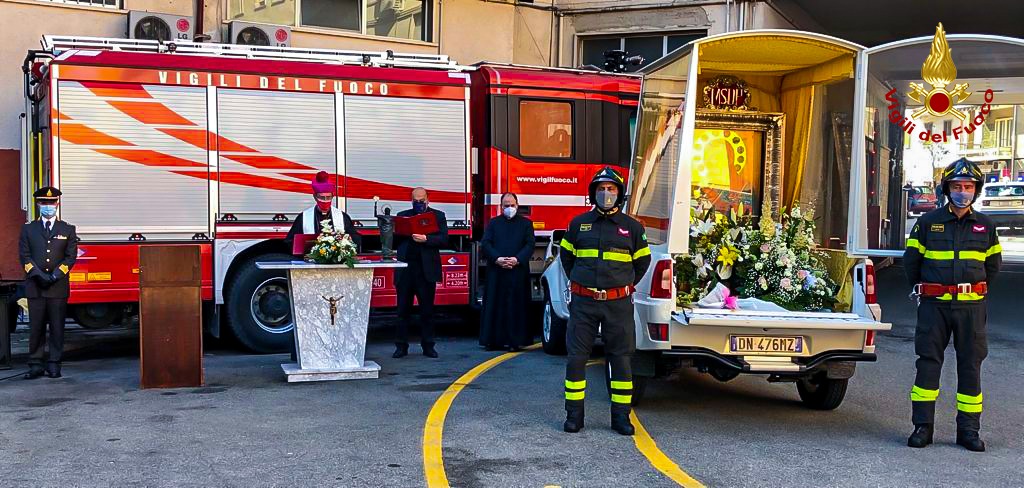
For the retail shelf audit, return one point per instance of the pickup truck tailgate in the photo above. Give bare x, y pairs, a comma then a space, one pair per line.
776, 320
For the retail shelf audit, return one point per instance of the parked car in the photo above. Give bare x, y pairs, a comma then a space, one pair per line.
922, 200
1004, 202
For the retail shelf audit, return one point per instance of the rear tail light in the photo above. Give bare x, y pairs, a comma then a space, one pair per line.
659, 332
869, 283
661, 283
869, 338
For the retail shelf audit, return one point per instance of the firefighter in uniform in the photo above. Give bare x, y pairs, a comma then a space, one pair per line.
953, 255
48, 248
604, 254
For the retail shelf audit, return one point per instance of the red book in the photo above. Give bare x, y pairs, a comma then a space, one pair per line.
303, 243
424, 223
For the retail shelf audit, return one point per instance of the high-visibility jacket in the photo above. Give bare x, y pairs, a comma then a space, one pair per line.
605, 251
946, 250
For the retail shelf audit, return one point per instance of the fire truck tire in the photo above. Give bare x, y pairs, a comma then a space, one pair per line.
822, 393
259, 308
553, 330
98, 315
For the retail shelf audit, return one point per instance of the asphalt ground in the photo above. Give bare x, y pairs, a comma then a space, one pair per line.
501, 422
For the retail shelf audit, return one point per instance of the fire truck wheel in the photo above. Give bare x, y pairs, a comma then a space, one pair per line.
259, 308
98, 315
553, 331
822, 393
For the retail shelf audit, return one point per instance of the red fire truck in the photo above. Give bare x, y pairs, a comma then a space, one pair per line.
216, 144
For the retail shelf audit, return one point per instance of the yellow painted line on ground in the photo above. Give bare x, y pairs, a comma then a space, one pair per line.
645, 444
433, 463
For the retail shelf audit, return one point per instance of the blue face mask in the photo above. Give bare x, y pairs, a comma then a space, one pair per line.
48, 211
419, 206
961, 199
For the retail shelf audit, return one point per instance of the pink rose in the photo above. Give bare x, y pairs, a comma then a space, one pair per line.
786, 283
802, 274
766, 247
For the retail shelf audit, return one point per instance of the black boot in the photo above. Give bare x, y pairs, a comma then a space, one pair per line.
401, 351
573, 420
53, 370
921, 437
429, 351
621, 423
34, 372
970, 440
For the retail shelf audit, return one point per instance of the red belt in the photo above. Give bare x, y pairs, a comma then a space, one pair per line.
937, 290
601, 295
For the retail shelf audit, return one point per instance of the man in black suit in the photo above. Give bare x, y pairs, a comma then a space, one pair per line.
419, 279
48, 248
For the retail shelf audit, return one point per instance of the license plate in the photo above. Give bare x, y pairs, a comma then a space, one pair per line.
1007, 203
766, 344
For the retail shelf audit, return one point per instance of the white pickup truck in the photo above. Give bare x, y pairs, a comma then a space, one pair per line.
816, 350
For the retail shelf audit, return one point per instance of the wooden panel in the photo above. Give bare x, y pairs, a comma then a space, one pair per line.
170, 317
171, 265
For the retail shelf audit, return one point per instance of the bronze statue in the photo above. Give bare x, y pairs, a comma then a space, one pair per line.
386, 225
334, 305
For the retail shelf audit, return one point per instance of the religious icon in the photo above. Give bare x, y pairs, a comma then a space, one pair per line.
334, 305
386, 225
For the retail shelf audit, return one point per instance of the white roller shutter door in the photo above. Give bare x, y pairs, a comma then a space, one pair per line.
293, 137
109, 197
405, 142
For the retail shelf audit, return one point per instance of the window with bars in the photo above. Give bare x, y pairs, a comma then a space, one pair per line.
1004, 132
650, 46
113, 4
403, 19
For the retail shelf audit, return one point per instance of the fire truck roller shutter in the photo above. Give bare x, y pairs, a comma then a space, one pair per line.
285, 139
406, 142
120, 174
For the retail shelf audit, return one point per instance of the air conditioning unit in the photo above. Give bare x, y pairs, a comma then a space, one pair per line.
159, 27
252, 34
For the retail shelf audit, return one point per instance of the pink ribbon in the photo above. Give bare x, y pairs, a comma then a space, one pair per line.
729, 301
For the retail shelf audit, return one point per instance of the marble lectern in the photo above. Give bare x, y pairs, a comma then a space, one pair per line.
331, 310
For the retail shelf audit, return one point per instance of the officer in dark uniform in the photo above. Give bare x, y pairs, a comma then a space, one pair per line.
953, 255
604, 254
48, 248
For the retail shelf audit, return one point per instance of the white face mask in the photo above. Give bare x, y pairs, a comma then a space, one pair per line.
509, 212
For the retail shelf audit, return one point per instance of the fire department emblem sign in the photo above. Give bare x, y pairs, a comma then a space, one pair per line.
939, 71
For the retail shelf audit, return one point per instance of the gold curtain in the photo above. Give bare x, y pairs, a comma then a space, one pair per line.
798, 106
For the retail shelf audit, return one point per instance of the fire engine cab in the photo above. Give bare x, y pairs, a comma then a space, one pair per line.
215, 144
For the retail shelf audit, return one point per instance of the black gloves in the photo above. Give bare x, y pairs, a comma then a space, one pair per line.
43, 279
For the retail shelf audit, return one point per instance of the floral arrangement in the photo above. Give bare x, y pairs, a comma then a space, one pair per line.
756, 258
332, 248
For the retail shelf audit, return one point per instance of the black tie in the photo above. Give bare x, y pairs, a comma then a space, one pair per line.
48, 224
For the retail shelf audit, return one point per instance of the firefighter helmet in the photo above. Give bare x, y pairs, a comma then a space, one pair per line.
963, 169
608, 174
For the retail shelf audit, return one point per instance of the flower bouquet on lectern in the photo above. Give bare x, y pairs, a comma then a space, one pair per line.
331, 247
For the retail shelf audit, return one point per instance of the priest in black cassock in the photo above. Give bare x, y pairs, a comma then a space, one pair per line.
507, 245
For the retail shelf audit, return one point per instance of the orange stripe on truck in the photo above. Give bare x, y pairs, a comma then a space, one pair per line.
80, 134
150, 158
150, 112
198, 138
119, 90
267, 162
